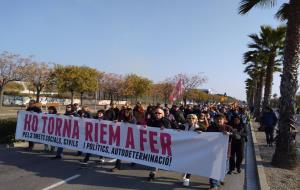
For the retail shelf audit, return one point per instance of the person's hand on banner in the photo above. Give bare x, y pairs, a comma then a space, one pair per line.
226, 133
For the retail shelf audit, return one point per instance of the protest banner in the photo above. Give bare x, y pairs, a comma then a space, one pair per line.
202, 154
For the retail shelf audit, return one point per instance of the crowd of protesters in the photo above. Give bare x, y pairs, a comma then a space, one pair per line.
231, 120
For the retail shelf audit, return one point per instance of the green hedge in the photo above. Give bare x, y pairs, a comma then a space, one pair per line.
7, 130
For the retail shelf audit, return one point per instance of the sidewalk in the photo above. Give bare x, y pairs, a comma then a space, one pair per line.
271, 177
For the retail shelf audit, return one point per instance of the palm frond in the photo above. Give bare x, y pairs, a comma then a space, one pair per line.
249, 68
249, 56
254, 46
255, 38
247, 5
282, 13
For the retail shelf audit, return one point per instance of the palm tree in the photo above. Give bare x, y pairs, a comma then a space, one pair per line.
270, 42
250, 91
286, 155
256, 70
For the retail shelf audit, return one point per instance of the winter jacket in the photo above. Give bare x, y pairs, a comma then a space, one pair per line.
110, 114
239, 134
269, 119
215, 128
161, 123
34, 109
179, 117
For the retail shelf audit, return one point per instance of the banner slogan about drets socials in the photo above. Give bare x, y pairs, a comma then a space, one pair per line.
202, 154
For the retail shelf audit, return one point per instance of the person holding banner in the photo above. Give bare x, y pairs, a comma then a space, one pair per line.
85, 113
161, 122
139, 114
70, 111
171, 118
51, 110
126, 117
32, 108
149, 115
99, 116
190, 125
203, 122
178, 114
110, 114
219, 126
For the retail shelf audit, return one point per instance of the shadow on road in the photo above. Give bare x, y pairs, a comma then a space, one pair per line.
40, 166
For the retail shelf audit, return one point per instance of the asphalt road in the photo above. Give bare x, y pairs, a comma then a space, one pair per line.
36, 171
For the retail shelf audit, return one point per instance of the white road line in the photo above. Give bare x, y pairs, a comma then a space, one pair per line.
61, 182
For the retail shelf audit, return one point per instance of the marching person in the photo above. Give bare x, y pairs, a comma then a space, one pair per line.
178, 114
219, 126
161, 122
85, 113
171, 118
190, 125
70, 111
203, 122
110, 113
32, 108
100, 116
51, 110
139, 114
238, 140
126, 118
268, 122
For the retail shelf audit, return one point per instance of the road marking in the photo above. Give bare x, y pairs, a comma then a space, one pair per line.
61, 182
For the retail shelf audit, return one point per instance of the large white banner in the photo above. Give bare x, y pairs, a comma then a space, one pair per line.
202, 154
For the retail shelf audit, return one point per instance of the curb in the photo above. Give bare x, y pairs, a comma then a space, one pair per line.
260, 168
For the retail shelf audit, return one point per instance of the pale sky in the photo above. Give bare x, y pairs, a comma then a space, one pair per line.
156, 39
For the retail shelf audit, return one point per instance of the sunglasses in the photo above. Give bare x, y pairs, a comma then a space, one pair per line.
158, 113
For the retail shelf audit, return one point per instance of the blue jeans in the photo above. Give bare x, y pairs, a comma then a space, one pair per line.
214, 182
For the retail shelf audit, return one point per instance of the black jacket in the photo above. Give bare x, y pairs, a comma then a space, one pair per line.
34, 109
239, 134
215, 128
162, 123
179, 117
110, 115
